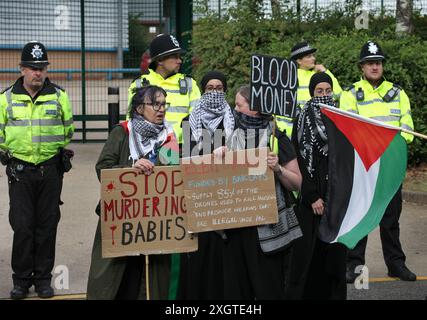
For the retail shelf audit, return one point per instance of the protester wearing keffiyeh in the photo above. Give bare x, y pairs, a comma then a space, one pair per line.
311, 132
145, 138
211, 110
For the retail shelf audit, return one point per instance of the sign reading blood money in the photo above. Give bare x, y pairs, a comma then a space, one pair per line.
229, 195
273, 85
144, 214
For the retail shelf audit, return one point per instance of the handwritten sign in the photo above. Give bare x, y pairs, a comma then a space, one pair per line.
225, 196
274, 84
143, 214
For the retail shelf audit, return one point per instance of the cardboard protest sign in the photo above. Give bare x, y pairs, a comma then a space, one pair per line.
143, 214
227, 195
274, 84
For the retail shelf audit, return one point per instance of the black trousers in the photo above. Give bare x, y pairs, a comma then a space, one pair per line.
34, 194
201, 276
248, 272
390, 237
317, 269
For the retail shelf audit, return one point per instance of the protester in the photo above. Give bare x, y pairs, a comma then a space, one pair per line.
201, 273
317, 269
252, 269
135, 143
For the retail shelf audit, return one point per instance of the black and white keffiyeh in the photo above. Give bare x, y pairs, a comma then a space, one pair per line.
312, 136
146, 137
210, 111
254, 132
251, 132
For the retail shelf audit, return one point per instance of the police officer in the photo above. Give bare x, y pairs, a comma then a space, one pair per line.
376, 98
182, 91
35, 124
303, 54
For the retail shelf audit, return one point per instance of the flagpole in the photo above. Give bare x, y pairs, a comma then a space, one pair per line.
372, 121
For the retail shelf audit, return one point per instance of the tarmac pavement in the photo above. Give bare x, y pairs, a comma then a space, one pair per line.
78, 222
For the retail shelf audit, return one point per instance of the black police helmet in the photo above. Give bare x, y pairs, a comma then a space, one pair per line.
164, 45
371, 51
34, 55
300, 50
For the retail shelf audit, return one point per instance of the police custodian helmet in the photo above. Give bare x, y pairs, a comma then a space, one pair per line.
164, 45
34, 55
371, 51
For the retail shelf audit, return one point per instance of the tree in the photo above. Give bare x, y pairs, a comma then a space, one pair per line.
404, 17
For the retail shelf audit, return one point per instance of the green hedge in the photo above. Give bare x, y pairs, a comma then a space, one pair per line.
226, 44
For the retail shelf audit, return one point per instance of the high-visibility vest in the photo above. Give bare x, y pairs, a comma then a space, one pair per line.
303, 95
34, 131
371, 104
179, 105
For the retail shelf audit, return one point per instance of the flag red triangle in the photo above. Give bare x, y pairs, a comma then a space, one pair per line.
369, 140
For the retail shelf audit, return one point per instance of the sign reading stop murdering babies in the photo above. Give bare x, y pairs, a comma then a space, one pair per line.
144, 214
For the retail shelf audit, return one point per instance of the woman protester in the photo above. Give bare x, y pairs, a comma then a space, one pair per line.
143, 142
317, 269
253, 265
201, 271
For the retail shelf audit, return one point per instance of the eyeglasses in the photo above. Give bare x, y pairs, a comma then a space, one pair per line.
157, 105
214, 88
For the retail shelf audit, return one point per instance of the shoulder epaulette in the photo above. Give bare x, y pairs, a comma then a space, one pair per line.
57, 86
398, 86
348, 88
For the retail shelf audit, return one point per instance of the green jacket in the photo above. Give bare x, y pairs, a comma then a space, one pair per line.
105, 274
33, 130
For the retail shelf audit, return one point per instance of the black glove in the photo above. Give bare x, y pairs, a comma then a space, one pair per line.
5, 157
66, 157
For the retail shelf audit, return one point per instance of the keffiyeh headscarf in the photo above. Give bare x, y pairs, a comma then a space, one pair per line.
210, 111
145, 138
250, 131
312, 136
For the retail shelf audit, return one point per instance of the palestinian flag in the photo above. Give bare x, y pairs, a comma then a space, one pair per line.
367, 164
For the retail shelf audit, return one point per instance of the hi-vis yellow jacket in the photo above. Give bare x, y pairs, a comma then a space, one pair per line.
396, 112
179, 105
303, 95
33, 131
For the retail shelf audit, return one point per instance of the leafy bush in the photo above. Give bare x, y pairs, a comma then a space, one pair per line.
226, 44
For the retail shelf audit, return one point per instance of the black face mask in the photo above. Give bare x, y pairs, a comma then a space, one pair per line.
245, 121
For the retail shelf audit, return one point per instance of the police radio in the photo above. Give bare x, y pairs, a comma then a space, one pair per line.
360, 95
389, 96
183, 87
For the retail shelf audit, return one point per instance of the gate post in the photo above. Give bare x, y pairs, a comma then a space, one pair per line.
113, 107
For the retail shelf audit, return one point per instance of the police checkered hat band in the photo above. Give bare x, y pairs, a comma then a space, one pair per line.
301, 49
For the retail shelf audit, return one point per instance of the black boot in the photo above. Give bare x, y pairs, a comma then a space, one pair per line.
18, 293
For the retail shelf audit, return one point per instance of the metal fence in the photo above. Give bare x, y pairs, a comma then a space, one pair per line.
96, 44
89, 49
375, 7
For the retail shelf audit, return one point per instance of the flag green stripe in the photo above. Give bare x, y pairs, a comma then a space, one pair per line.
174, 276
390, 177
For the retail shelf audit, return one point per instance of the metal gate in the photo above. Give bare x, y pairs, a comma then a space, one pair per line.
92, 45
